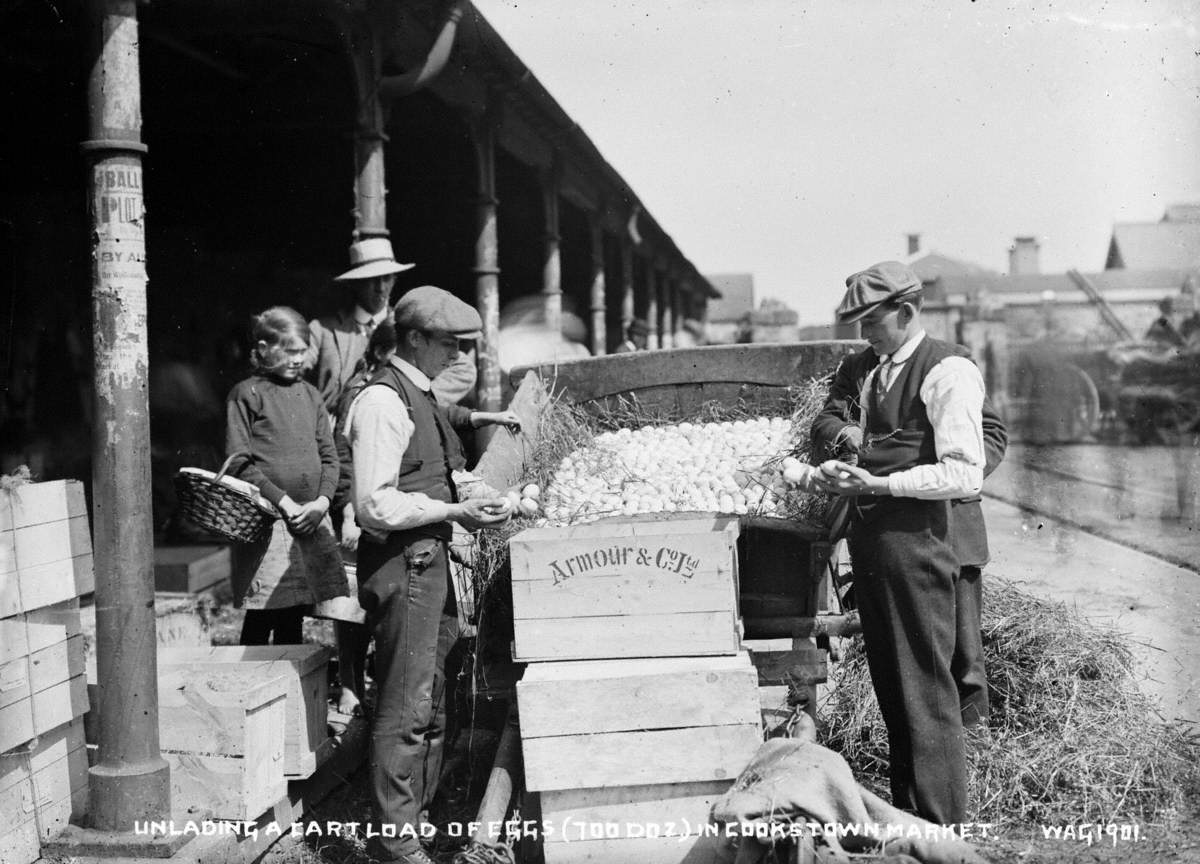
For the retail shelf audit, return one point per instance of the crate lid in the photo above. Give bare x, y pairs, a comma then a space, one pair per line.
303, 658
228, 686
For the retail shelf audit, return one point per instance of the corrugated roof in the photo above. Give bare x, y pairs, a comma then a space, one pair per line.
737, 296
1154, 245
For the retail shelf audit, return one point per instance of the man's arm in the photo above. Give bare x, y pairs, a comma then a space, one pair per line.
995, 437
953, 395
323, 364
379, 431
841, 412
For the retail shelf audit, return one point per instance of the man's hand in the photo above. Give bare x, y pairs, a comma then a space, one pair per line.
481, 512
350, 530
841, 478
508, 419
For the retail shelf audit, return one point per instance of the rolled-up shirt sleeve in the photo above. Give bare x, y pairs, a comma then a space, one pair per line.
953, 395
379, 430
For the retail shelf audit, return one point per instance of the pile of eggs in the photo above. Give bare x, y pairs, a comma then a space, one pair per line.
735, 467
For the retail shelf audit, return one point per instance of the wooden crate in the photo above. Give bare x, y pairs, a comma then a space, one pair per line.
625, 589
662, 823
190, 568
594, 724
41, 790
305, 732
219, 732
45, 546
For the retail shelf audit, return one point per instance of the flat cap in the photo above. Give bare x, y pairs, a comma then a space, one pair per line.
434, 310
889, 280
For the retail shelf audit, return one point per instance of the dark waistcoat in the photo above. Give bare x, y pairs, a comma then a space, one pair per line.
898, 435
434, 450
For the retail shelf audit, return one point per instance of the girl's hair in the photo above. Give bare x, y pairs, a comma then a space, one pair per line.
382, 341
271, 327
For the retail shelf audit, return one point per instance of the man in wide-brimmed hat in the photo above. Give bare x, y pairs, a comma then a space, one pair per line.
340, 340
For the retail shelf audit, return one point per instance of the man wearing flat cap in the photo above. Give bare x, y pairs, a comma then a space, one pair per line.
339, 341
910, 409
408, 465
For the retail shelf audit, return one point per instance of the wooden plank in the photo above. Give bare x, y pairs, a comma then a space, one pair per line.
24, 676
227, 787
29, 717
51, 501
661, 850
623, 636
622, 594
767, 365
8, 556
49, 542
218, 712
663, 700
685, 548
190, 568
503, 464
44, 584
304, 668
51, 747
573, 670
639, 758
667, 810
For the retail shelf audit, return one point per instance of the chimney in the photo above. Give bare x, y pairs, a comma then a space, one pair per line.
914, 244
1023, 256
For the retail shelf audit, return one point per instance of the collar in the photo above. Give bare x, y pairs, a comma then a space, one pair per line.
904, 351
362, 317
413, 374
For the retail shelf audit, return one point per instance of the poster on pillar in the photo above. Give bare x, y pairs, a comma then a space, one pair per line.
119, 220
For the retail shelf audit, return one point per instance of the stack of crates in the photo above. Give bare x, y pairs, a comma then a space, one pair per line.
45, 566
638, 707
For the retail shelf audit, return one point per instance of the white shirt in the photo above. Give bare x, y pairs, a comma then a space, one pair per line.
379, 428
953, 395
366, 321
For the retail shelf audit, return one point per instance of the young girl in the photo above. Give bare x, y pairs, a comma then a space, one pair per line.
280, 421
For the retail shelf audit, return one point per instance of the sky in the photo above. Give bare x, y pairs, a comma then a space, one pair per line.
801, 141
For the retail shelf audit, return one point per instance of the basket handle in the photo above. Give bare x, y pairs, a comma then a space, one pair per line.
227, 463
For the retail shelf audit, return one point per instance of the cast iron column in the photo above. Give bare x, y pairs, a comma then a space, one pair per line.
651, 304
130, 780
667, 339
487, 266
599, 336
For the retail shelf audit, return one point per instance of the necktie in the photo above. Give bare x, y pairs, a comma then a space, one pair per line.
883, 375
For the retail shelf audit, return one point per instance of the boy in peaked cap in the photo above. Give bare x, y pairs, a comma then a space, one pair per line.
408, 465
911, 409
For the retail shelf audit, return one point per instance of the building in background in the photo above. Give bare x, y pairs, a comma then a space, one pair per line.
729, 316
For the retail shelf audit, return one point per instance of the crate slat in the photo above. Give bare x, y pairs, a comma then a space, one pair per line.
626, 636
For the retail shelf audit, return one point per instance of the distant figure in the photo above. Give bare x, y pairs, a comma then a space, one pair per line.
1165, 329
690, 335
636, 335
279, 421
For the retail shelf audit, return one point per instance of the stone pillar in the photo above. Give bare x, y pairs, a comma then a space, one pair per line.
599, 309
552, 258
651, 303
487, 267
130, 780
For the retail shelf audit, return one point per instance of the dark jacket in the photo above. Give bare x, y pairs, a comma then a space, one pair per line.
842, 409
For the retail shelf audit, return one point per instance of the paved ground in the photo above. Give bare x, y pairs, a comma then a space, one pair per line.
1157, 603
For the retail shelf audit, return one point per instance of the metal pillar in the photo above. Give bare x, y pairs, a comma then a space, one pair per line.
667, 340
552, 257
370, 191
651, 305
678, 314
487, 264
599, 309
130, 780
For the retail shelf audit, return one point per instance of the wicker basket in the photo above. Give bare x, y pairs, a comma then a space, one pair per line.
235, 514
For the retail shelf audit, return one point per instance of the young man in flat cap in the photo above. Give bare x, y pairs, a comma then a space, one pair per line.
408, 465
339, 341
922, 448
837, 433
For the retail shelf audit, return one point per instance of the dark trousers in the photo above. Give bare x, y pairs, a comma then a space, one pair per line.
967, 666
285, 624
904, 576
403, 586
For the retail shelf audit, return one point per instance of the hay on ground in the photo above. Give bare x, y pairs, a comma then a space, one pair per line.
1071, 737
